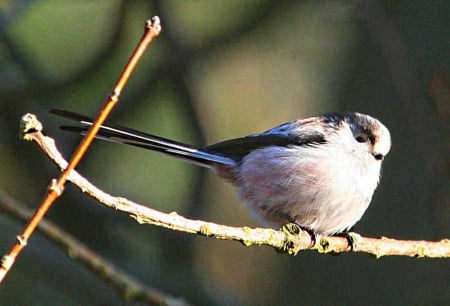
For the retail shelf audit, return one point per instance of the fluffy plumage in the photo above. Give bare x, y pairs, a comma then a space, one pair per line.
318, 172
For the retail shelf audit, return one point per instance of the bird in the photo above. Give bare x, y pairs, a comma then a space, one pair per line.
319, 173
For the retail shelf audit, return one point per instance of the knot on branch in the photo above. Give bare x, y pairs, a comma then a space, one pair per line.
29, 124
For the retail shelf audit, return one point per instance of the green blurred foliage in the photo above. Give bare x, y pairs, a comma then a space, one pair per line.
222, 69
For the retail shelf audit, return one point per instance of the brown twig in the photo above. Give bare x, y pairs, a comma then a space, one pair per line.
130, 288
152, 29
284, 239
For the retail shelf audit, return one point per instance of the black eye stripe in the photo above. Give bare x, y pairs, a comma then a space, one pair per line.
364, 137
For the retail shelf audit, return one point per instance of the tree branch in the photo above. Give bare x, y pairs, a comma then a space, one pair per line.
285, 239
152, 30
129, 287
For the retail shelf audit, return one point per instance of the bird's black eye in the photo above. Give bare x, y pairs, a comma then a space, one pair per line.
361, 138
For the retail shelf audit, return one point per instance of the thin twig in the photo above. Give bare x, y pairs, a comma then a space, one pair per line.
129, 287
56, 188
284, 239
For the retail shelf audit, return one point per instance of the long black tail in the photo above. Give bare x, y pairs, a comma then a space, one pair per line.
119, 134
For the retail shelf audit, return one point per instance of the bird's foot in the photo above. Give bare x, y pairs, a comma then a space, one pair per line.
295, 229
349, 237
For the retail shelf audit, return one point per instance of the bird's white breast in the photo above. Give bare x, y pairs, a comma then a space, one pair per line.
324, 188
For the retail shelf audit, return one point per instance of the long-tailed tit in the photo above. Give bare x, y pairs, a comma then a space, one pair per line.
319, 172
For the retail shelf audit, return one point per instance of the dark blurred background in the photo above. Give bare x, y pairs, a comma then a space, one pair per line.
222, 69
